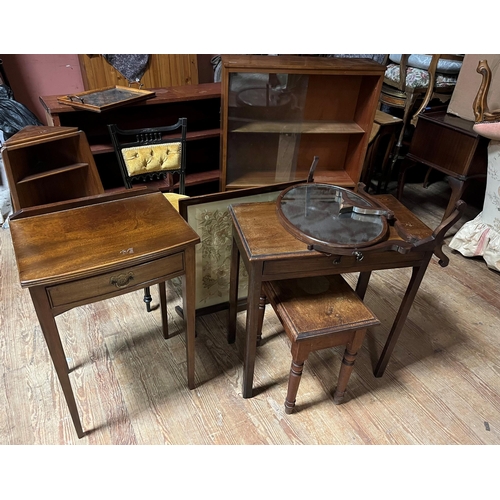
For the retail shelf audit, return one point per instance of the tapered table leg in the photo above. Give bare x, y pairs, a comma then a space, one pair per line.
233, 293
362, 285
188, 296
162, 288
411, 291
252, 326
53, 341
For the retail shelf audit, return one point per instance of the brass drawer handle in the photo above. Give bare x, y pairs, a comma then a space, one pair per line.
122, 280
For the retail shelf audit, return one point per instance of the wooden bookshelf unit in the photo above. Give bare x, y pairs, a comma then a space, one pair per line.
278, 112
49, 164
200, 104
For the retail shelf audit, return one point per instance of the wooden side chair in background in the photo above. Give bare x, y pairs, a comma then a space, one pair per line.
153, 154
426, 77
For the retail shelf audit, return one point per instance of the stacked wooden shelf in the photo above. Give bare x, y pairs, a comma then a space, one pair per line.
49, 164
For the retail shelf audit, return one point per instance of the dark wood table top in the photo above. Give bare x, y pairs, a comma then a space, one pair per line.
269, 238
106, 234
452, 121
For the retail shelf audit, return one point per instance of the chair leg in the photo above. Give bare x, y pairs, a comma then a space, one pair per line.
386, 170
293, 385
350, 354
425, 184
407, 164
147, 298
409, 103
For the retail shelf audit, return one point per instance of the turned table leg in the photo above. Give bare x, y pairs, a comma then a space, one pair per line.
293, 385
350, 354
299, 355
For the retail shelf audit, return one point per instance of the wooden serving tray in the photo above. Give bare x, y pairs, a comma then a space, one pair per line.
98, 100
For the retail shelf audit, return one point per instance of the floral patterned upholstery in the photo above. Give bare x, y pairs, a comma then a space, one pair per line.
417, 75
481, 236
423, 61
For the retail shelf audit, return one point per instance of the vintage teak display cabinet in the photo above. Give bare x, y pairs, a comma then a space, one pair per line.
279, 112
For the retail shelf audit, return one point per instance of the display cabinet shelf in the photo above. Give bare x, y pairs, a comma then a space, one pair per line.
54, 171
264, 178
279, 112
311, 127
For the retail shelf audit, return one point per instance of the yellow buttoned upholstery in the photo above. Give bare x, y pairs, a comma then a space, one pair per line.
174, 198
152, 158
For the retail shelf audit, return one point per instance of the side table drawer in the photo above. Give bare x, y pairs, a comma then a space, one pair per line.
335, 264
104, 284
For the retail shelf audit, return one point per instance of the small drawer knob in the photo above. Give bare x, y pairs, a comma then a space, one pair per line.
122, 280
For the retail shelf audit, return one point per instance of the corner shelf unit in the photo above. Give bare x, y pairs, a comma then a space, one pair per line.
278, 112
49, 164
200, 104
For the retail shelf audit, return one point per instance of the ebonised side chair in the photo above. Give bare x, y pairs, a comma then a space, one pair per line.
148, 154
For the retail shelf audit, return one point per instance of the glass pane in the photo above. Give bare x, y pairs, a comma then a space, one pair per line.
325, 213
265, 111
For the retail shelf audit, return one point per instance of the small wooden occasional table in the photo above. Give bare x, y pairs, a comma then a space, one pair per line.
270, 252
74, 253
448, 144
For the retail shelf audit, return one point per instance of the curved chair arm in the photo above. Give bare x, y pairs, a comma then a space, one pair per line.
480, 104
430, 89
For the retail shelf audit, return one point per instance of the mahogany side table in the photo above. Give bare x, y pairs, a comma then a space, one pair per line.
448, 144
73, 253
269, 252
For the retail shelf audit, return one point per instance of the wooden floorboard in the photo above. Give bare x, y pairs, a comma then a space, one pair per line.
440, 387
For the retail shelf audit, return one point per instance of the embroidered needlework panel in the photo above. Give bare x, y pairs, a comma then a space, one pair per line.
212, 222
